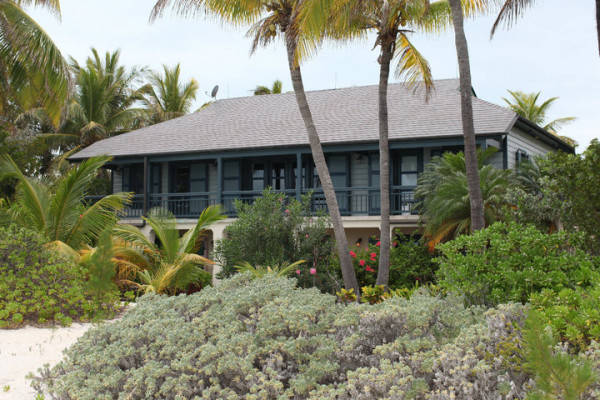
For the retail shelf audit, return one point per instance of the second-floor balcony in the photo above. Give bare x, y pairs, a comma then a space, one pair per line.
352, 201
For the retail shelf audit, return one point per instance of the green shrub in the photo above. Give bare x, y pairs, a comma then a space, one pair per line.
410, 263
510, 262
265, 339
573, 313
276, 230
37, 286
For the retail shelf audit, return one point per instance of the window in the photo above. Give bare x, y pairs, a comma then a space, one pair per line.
133, 178
231, 175
155, 178
522, 156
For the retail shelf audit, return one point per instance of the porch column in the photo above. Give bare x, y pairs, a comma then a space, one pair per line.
145, 187
218, 233
219, 180
298, 176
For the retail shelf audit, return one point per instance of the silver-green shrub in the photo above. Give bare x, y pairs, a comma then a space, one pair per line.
265, 339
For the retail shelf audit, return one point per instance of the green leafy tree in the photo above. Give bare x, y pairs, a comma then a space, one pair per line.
526, 105
275, 230
271, 20
173, 264
275, 89
104, 103
33, 72
57, 209
443, 194
572, 186
167, 97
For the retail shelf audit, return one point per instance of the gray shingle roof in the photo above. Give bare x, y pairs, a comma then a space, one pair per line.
342, 116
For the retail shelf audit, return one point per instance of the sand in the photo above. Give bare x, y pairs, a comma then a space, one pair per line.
27, 349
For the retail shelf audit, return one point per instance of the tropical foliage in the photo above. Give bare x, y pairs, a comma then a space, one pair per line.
104, 101
173, 264
275, 230
526, 105
443, 194
54, 207
167, 97
511, 262
252, 338
33, 72
38, 286
275, 89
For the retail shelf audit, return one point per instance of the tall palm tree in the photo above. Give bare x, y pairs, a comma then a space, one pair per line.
466, 105
167, 97
173, 264
33, 72
57, 208
104, 103
513, 9
270, 20
443, 194
275, 89
526, 105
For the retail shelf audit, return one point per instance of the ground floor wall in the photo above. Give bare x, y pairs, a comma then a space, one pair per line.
359, 229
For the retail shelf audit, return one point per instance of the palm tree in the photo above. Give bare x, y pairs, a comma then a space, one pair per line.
33, 72
167, 98
443, 194
466, 104
105, 99
269, 20
57, 209
526, 105
260, 90
173, 264
513, 9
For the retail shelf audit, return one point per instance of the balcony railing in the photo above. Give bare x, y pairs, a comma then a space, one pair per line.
351, 201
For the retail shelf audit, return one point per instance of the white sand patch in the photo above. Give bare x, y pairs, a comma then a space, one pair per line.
27, 349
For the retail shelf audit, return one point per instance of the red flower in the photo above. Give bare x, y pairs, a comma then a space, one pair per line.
373, 256
352, 254
378, 243
369, 269
361, 263
395, 244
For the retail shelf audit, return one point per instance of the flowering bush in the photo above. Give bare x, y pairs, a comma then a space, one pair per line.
410, 262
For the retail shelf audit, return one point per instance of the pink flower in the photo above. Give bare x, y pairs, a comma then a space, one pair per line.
287, 212
352, 254
306, 235
297, 272
361, 263
373, 256
395, 244
313, 271
369, 269
378, 243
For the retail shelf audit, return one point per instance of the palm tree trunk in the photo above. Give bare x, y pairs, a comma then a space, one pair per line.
464, 68
383, 273
348, 274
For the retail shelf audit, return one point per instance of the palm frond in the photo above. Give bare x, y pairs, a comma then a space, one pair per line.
510, 12
192, 239
164, 226
413, 66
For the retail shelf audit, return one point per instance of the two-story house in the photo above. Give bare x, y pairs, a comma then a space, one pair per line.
235, 148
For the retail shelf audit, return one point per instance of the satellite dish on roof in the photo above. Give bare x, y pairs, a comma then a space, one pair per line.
213, 94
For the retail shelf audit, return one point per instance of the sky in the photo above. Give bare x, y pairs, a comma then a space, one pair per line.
552, 49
